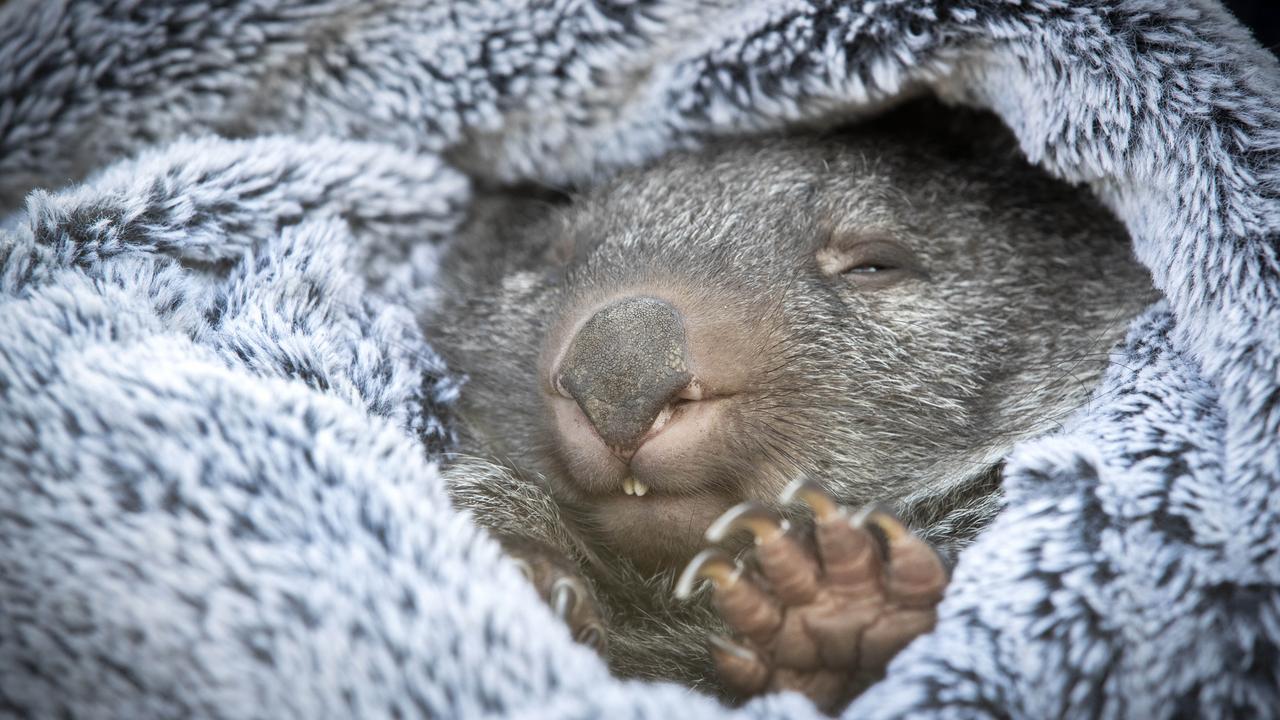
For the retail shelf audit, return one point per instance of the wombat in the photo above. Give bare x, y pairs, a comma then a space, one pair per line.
869, 317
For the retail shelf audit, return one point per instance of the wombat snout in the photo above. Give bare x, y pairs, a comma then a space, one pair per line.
626, 368
643, 391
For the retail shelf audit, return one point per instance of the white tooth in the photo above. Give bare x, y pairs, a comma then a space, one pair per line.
640, 488
629, 486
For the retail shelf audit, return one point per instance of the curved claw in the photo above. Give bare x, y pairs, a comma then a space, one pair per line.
763, 523
725, 646
740, 668
881, 518
592, 635
564, 598
814, 495
710, 563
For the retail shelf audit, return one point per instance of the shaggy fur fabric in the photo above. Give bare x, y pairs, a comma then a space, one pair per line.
214, 403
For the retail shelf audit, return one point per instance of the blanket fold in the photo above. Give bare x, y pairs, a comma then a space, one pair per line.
220, 423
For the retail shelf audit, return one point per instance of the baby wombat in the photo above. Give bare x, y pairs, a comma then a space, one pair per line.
874, 316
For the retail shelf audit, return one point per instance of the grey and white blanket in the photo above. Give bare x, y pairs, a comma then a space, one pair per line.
218, 418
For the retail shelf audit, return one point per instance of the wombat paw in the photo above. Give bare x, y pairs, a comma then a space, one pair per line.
824, 623
562, 588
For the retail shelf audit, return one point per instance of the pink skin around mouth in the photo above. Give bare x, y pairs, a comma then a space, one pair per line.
663, 527
657, 531
599, 473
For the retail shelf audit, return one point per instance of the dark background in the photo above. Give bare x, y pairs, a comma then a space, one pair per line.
1263, 17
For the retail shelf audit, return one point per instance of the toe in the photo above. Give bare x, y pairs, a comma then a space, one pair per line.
850, 557
916, 576
742, 669
748, 609
790, 569
745, 607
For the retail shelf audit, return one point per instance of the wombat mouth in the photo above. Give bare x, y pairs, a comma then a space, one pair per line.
645, 394
651, 500
655, 530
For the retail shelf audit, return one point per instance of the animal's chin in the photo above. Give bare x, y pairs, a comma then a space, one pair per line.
655, 531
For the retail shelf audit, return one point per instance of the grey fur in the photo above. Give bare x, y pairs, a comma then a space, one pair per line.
1134, 572
909, 394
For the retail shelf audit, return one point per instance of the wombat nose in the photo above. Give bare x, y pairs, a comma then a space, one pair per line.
624, 367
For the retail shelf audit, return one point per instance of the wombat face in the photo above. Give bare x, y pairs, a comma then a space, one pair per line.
882, 317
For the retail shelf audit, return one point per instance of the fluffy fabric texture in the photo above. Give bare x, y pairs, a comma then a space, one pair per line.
218, 419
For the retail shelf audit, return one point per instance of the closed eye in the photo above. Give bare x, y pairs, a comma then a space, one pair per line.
870, 262
868, 268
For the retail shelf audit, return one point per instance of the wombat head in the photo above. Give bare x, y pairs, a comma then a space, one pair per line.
885, 310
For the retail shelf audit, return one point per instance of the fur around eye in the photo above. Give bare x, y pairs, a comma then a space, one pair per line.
867, 261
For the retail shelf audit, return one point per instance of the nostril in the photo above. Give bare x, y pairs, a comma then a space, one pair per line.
557, 382
623, 368
689, 393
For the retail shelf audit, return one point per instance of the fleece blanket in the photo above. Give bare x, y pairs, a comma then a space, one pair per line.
220, 424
